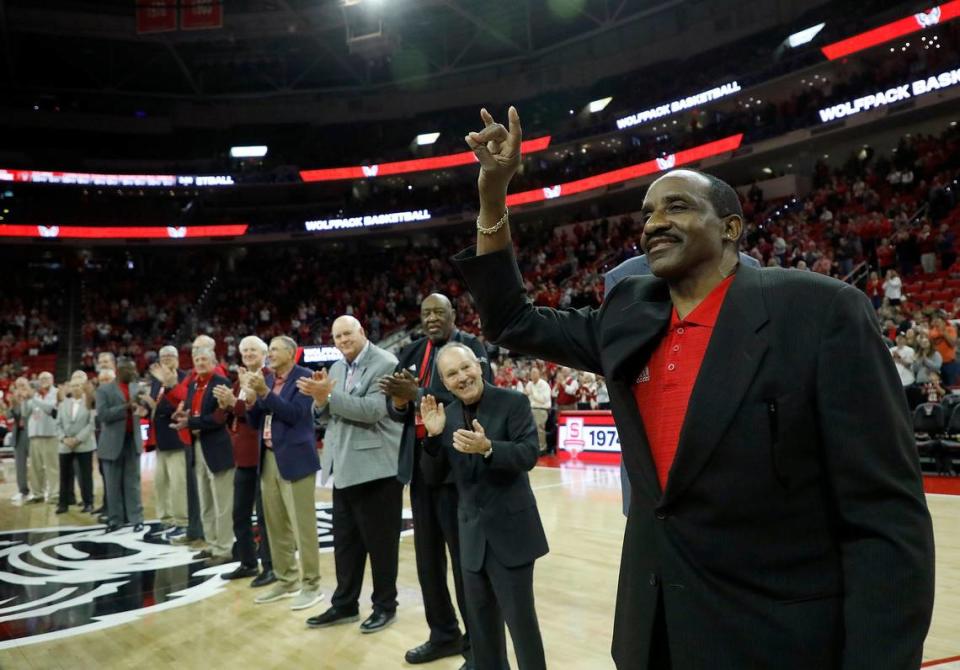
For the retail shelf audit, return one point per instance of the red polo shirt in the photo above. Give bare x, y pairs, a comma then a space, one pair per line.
663, 389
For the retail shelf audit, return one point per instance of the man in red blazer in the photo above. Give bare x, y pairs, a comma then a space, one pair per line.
777, 515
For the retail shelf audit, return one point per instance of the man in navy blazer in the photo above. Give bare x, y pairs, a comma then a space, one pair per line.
288, 467
214, 467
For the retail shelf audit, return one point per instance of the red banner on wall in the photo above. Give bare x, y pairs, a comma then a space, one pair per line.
156, 16
201, 14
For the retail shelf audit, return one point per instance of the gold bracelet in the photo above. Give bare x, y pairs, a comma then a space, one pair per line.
492, 229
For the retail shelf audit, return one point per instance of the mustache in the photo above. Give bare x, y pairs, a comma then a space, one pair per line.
656, 236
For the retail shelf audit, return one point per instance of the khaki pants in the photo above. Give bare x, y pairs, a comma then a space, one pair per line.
216, 506
170, 487
45, 468
540, 418
291, 514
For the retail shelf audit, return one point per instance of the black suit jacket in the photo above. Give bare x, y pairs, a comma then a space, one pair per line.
793, 531
168, 439
497, 510
410, 358
214, 438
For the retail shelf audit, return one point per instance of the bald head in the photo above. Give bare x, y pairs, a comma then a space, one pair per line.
348, 337
437, 316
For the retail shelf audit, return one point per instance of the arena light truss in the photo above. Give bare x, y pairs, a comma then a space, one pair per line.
406, 167
122, 232
891, 31
604, 179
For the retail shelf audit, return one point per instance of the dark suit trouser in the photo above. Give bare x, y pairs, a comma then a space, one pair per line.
659, 642
434, 529
246, 497
366, 521
194, 523
499, 594
21, 454
84, 463
122, 477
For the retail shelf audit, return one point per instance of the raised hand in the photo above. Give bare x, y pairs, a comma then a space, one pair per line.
164, 375
400, 386
472, 441
257, 383
433, 415
498, 150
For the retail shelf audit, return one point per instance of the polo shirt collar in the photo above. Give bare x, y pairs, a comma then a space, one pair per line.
706, 313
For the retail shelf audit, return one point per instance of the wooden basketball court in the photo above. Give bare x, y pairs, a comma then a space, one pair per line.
221, 627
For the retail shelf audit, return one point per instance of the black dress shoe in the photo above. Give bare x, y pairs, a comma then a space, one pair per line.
431, 651
263, 579
202, 555
137, 527
240, 572
378, 621
332, 617
112, 527
87, 509
103, 518
61, 509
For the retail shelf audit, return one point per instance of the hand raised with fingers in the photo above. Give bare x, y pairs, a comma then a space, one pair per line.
433, 415
498, 150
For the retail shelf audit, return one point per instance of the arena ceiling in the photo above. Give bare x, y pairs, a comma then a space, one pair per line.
268, 47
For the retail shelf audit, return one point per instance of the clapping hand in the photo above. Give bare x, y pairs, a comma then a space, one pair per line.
179, 418
255, 382
472, 441
400, 386
224, 396
319, 386
433, 415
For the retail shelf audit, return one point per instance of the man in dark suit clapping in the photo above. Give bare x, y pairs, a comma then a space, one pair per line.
488, 438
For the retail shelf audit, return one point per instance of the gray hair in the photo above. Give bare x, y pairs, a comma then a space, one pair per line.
168, 350
203, 351
288, 342
449, 346
254, 341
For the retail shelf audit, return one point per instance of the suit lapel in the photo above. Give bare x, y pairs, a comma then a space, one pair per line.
732, 359
629, 336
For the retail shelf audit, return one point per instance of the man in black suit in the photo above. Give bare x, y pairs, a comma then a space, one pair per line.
777, 513
434, 506
487, 439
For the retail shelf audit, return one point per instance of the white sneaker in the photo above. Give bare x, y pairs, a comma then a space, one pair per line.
278, 592
306, 599
16, 497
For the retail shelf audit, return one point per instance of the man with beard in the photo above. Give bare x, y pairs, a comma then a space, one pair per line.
434, 506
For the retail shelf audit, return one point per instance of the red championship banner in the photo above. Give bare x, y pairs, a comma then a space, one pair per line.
201, 14
156, 16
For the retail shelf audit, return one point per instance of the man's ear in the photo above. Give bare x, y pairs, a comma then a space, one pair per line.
732, 227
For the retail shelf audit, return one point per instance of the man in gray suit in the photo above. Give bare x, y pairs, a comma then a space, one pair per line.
19, 399
120, 445
361, 450
42, 427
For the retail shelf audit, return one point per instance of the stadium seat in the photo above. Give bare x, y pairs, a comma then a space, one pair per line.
929, 422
